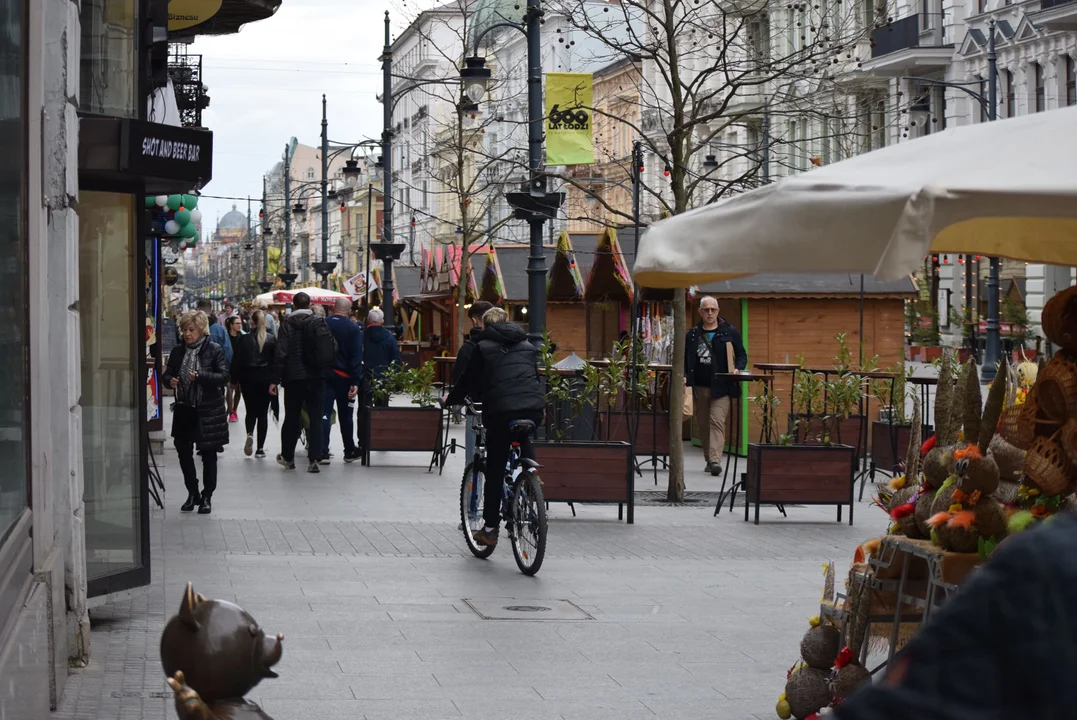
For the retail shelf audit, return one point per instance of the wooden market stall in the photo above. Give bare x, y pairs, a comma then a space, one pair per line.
783, 315
607, 294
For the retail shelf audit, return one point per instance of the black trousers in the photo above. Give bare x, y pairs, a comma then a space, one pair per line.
306, 394
184, 434
336, 392
498, 448
256, 399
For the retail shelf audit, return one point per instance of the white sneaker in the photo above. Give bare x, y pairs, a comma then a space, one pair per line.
248, 447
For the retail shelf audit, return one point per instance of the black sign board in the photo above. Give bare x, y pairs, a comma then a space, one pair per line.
164, 151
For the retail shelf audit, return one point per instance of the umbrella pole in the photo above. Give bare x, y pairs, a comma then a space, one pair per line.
860, 360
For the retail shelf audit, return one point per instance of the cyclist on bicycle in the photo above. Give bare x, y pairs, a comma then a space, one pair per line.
504, 375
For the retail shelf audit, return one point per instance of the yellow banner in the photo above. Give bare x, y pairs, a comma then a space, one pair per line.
188, 13
569, 139
273, 262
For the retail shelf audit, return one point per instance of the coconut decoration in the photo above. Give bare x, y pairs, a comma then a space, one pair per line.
938, 460
899, 496
848, 675
807, 691
820, 646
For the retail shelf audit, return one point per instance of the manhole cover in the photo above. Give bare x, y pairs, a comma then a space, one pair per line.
137, 694
528, 610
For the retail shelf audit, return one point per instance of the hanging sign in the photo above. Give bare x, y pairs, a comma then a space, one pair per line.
569, 139
273, 261
183, 14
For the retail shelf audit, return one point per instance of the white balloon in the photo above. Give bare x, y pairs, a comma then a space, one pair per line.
161, 200
196, 216
183, 245
172, 227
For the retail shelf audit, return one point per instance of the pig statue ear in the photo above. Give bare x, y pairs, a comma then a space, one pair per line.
188, 605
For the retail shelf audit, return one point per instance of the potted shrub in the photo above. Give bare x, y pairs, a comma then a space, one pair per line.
1015, 316
413, 428
580, 470
840, 420
622, 402
890, 433
922, 324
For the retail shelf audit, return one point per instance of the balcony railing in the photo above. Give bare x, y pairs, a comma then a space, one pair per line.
903, 34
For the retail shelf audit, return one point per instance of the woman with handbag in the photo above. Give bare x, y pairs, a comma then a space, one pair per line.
198, 372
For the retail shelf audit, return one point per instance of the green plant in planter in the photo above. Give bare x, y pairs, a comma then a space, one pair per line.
1016, 315
765, 401
390, 383
807, 390
894, 396
418, 385
559, 390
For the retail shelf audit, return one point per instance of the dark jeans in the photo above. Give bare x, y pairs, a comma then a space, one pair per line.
300, 394
336, 392
498, 448
185, 434
256, 399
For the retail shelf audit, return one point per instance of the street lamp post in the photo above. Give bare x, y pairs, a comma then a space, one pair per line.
535, 205
287, 276
324, 267
993, 342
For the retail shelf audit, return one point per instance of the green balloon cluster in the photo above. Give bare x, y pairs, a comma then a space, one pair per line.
186, 216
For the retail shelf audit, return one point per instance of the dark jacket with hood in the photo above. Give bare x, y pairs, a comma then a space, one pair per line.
724, 333
470, 346
503, 373
380, 350
251, 365
1001, 648
212, 430
290, 360
349, 339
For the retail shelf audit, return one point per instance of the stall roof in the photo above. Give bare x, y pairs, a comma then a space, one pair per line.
809, 285
513, 262
609, 279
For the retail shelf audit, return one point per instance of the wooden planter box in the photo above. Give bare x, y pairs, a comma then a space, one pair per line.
888, 451
652, 431
801, 474
594, 472
401, 429
845, 431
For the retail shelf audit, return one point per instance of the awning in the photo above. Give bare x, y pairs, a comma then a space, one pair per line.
232, 15
564, 282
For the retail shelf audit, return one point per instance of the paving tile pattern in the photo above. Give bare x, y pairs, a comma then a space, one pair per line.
364, 572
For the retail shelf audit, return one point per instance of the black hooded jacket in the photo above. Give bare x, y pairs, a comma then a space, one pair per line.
380, 350
503, 373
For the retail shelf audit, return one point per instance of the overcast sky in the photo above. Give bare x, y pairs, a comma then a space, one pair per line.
266, 84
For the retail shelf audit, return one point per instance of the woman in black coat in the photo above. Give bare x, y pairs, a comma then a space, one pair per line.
198, 372
252, 366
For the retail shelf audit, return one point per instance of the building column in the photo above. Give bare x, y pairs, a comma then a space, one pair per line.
1041, 282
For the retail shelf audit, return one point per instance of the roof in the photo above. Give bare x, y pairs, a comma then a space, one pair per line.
513, 262
233, 220
809, 285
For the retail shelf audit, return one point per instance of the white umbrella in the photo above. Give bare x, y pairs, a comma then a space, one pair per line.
1005, 188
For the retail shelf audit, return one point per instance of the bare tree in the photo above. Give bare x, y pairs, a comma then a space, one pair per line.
730, 91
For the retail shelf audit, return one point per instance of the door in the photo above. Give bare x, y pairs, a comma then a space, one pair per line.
112, 314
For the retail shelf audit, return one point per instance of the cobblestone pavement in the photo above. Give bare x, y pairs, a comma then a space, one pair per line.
685, 615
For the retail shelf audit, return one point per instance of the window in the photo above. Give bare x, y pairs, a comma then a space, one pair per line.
1010, 108
426, 194
310, 173
1041, 99
109, 58
939, 115
981, 6
1071, 81
805, 146
759, 37
14, 497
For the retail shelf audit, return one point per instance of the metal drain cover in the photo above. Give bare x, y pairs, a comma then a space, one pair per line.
530, 609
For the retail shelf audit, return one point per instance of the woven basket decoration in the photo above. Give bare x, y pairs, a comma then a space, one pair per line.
1018, 424
1047, 465
1059, 319
1068, 439
1056, 390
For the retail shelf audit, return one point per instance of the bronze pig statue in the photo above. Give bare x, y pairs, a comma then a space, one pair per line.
214, 653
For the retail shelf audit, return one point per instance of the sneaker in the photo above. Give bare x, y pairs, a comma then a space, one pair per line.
248, 447
259, 453
351, 456
286, 464
325, 460
233, 418
485, 538
313, 467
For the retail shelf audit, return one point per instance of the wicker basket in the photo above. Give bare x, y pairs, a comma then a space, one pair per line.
1056, 390
1048, 466
1059, 319
1018, 424
1068, 439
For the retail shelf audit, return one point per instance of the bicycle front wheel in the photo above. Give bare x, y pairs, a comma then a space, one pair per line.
528, 523
471, 510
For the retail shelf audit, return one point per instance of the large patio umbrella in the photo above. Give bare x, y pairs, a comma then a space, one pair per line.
1006, 188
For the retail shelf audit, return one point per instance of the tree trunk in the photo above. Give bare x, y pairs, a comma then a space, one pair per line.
675, 492
461, 295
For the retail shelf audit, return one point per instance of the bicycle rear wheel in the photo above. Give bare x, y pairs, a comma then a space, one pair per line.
471, 503
528, 523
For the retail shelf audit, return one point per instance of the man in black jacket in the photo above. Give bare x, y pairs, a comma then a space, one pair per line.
471, 343
707, 353
503, 373
305, 386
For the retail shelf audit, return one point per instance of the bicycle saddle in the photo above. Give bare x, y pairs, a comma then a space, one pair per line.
522, 427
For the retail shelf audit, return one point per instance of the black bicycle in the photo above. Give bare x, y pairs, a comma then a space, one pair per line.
522, 508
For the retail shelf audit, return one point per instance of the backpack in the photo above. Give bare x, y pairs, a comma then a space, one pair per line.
319, 347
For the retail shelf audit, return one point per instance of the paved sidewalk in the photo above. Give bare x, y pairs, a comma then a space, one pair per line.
363, 570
